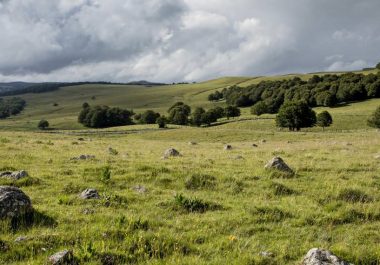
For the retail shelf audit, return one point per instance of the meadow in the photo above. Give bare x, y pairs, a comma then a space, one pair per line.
209, 206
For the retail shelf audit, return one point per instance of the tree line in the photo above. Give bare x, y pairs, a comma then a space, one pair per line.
327, 90
12, 106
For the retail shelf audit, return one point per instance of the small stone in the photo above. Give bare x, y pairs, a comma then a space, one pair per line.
278, 164
317, 256
255, 145
64, 257
263, 141
377, 157
228, 147
21, 238
266, 254
171, 152
16, 175
140, 189
192, 143
81, 139
89, 194
88, 211
239, 157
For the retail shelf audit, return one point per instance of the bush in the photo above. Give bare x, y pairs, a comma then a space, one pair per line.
354, 196
179, 113
281, 190
43, 124
324, 119
104, 116
231, 111
161, 122
193, 204
259, 108
295, 115
149, 117
196, 117
374, 120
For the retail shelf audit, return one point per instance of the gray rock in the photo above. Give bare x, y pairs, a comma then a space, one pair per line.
228, 147
89, 194
317, 256
13, 202
377, 157
64, 257
278, 164
192, 143
21, 238
255, 145
263, 141
139, 189
171, 152
83, 157
16, 175
266, 254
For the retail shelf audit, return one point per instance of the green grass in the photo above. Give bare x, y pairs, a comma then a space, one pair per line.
205, 207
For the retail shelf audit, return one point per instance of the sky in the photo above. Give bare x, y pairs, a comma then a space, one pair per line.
183, 40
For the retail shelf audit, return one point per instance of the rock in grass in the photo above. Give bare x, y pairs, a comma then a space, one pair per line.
13, 202
317, 256
228, 147
139, 189
171, 152
83, 157
192, 143
16, 175
277, 163
89, 194
65, 257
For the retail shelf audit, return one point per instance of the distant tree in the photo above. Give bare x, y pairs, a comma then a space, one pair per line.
374, 120
179, 113
209, 117
295, 115
104, 116
149, 117
259, 108
219, 112
215, 96
231, 111
378, 66
196, 117
324, 119
161, 122
43, 124
85, 105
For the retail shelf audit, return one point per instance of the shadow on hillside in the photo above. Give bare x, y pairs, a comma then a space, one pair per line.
34, 219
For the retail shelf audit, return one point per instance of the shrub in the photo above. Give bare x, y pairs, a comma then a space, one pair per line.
374, 120
281, 190
259, 108
193, 204
296, 115
196, 117
231, 111
149, 117
200, 181
161, 122
105, 175
268, 214
179, 113
43, 124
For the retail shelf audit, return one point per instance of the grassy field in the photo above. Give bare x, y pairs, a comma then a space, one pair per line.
138, 98
332, 202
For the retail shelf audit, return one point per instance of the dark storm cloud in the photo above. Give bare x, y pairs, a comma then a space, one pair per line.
173, 40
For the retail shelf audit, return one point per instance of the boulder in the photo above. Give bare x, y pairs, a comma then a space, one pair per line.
13, 202
89, 194
278, 164
139, 189
228, 147
64, 257
317, 256
171, 152
16, 175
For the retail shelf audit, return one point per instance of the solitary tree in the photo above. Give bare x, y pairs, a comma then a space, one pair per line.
43, 124
295, 115
161, 122
324, 119
179, 113
374, 120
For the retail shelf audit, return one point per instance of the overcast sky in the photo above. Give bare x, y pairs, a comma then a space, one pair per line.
183, 40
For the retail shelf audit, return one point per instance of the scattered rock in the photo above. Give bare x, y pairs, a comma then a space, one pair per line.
239, 157
317, 256
140, 189
192, 143
21, 238
263, 141
228, 147
89, 194
278, 164
16, 175
255, 145
171, 152
266, 254
88, 211
81, 139
377, 157
83, 157
14, 202
112, 151
348, 144
64, 257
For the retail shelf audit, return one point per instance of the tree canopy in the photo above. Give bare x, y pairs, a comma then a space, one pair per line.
295, 115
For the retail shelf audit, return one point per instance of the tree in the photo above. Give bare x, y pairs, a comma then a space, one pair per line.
161, 122
179, 113
231, 111
209, 117
43, 124
104, 116
374, 120
259, 108
295, 115
149, 117
196, 117
218, 111
185, 108
378, 66
324, 119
